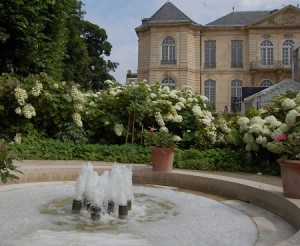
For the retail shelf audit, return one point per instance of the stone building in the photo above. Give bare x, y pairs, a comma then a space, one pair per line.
239, 50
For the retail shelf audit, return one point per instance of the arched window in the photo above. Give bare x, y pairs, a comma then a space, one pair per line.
168, 51
236, 95
287, 53
266, 53
210, 92
266, 83
168, 81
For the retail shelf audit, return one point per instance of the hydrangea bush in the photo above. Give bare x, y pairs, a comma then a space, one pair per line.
276, 130
39, 106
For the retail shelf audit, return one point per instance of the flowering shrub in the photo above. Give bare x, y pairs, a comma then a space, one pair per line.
117, 115
276, 129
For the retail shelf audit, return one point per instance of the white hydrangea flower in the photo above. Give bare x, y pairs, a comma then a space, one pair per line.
262, 141
18, 138
177, 107
168, 117
176, 138
243, 121
77, 119
76, 94
119, 128
257, 120
18, 111
248, 147
166, 89
290, 118
248, 138
55, 86
106, 123
190, 100
255, 128
152, 95
20, 95
173, 94
273, 122
243, 128
288, 104
28, 111
204, 98
37, 89
177, 118
182, 99
197, 111
163, 129
159, 119
275, 147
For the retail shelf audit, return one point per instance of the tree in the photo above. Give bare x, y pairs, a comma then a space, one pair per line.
98, 47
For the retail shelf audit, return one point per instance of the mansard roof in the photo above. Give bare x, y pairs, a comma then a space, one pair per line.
168, 13
240, 18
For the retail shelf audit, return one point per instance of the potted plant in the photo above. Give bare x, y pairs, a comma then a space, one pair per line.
162, 145
287, 147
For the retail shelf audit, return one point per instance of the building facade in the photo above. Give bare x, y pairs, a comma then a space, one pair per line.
241, 49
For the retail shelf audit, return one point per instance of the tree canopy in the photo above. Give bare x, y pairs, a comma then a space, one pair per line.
51, 36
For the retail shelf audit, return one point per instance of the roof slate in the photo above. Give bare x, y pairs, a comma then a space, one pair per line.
239, 18
169, 13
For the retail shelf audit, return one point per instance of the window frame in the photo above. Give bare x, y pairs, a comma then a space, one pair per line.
168, 51
266, 53
237, 54
210, 92
210, 53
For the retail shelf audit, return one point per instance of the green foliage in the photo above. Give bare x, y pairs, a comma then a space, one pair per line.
33, 36
70, 132
212, 160
160, 139
6, 162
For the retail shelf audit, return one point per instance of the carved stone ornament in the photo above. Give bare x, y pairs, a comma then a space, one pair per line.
287, 18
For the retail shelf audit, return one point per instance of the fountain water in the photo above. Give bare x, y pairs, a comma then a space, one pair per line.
105, 192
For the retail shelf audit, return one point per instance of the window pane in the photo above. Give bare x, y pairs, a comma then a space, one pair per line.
210, 54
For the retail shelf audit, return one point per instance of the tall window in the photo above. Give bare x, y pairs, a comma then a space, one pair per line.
236, 53
168, 81
210, 54
236, 95
168, 51
266, 83
266, 53
287, 53
210, 92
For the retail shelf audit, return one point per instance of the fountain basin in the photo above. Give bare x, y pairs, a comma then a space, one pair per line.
266, 196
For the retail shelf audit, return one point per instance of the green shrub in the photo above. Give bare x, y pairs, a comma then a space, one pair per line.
6, 162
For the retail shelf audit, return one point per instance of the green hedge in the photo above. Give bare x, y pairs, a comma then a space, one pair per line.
193, 159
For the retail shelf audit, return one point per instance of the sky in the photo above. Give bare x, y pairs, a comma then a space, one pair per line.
120, 18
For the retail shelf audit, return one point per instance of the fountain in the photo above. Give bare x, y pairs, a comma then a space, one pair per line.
159, 215
104, 193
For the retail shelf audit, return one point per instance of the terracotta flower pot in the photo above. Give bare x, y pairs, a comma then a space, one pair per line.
290, 174
162, 158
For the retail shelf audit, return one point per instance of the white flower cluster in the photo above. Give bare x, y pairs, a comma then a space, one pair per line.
262, 131
77, 95
159, 119
20, 95
28, 111
119, 128
18, 138
77, 119
37, 89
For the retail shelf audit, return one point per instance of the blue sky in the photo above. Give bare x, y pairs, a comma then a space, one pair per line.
120, 17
